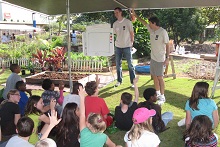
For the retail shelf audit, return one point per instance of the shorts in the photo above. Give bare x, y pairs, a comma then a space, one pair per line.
156, 68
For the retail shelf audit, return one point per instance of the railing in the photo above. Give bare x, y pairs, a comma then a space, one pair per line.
76, 65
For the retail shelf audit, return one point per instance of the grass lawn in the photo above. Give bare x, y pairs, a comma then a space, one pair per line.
177, 92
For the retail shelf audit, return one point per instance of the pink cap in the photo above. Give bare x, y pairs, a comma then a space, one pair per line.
142, 114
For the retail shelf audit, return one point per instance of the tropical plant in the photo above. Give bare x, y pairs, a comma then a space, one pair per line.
40, 57
56, 57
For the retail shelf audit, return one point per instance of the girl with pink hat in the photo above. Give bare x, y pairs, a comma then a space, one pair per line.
142, 133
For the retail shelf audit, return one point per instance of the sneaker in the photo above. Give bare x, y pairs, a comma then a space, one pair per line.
117, 84
181, 122
161, 100
132, 86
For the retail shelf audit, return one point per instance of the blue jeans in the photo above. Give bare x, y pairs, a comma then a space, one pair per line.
119, 53
167, 117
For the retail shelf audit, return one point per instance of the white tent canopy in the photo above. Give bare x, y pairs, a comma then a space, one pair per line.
17, 27
54, 7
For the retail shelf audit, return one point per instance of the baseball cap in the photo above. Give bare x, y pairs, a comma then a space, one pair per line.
142, 114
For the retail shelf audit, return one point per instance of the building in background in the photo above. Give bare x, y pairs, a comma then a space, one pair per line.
15, 15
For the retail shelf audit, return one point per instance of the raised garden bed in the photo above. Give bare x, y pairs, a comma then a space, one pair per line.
56, 77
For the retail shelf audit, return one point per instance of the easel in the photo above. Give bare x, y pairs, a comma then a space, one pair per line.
217, 71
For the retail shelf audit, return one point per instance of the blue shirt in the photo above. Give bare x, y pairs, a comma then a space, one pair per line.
206, 107
23, 102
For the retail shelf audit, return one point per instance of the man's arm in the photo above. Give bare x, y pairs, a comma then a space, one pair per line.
132, 36
167, 54
138, 18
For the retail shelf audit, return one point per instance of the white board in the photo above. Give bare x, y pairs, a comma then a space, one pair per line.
98, 40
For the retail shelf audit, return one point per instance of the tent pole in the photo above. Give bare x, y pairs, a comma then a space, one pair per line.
120, 4
68, 41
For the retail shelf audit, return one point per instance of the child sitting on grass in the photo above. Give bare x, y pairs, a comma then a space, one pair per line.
200, 104
142, 133
12, 79
21, 87
10, 114
73, 97
91, 131
159, 121
68, 129
95, 104
24, 129
124, 112
35, 111
200, 134
50, 93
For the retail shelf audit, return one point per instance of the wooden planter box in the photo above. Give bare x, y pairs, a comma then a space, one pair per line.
38, 78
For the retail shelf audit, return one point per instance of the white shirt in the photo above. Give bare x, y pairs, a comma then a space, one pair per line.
18, 142
158, 40
147, 139
71, 98
10, 83
123, 30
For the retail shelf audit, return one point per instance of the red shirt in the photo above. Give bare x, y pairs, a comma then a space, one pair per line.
96, 105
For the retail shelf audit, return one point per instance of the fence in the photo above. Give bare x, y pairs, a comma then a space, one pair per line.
76, 65
204, 70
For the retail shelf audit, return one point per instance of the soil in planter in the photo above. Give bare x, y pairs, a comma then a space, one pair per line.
63, 76
56, 77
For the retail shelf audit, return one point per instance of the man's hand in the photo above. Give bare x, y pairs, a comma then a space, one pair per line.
166, 62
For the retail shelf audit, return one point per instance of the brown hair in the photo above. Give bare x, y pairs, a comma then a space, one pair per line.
199, 131
11, 92
91, 87
200, 90
126, 98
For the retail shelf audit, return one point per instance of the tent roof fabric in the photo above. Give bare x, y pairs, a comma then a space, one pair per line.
54, 7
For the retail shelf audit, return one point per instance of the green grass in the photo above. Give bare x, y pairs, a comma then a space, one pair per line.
177, 92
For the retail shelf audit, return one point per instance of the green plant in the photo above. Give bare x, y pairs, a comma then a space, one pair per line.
21, 38
56, 57
57, 42
40, 57
30, 65
141, 40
